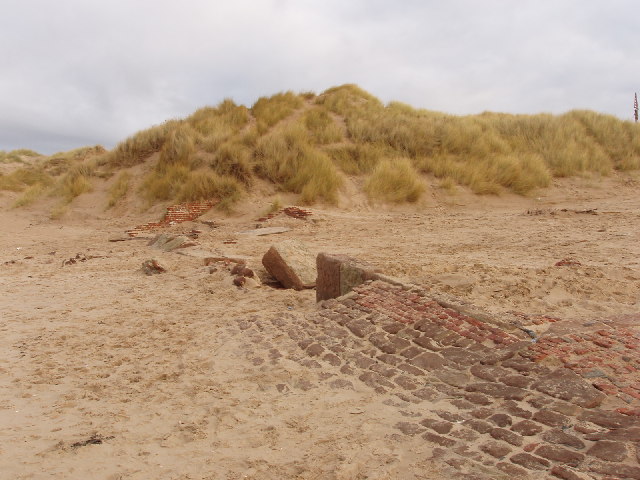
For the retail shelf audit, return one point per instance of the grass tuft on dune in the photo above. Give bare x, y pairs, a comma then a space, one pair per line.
307, 144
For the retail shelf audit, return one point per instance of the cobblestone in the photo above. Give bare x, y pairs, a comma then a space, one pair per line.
529, 461
608, 450
560, 437
560, 454
530, 417
496, 449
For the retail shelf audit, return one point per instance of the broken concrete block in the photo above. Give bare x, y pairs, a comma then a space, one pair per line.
291, 263
328, 281
338, 274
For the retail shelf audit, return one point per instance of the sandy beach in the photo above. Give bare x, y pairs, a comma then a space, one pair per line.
107, 373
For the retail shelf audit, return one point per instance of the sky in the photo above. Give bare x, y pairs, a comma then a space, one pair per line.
87, 72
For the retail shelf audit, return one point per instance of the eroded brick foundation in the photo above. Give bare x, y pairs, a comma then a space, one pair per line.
183, 212
494, 400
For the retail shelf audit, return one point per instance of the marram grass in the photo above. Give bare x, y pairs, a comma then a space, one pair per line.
307, 143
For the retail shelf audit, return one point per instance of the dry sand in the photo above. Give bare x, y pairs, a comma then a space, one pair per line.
107, 373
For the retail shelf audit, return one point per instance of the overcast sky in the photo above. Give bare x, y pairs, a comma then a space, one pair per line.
85, 72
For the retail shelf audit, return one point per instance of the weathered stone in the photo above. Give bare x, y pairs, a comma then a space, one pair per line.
461, 356
489, 373
462, 404
478, 425
168, 242
496, 449
430, 329
560, 454
498, 390
520, 381
511, 470
622, 434
609, 420
452, 377
427, 342
384, 370
305, 342
338, 274
409, 428
457, 463
540, 401
310, 363
439, 439
336, 332
465, 434
610, 451
377, 339
565, 473
615, 470
428, 361
405, 367
524, 365
507, 435
478, 398
341, 383
354, 273
529, 461
359, 327
565, 408
512, 408
411, 352
347, 370
562, 438
440, 426
568, 385
447, 390
553, 419
152, 267
426, 393
362, 361
527, 428
388, 344
497, 356
396, 344
449, 416
392, 360
481, 413
392, 327
332, 359
406, 382
372, 379
291, 263
328, 280
501, 420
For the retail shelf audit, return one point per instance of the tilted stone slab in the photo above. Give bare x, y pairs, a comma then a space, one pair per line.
291, 263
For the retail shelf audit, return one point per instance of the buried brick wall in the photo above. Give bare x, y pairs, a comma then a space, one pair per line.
183, 212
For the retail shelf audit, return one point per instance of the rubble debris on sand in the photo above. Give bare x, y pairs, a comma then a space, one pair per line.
152, 267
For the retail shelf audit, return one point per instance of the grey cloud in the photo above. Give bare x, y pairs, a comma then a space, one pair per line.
77, 72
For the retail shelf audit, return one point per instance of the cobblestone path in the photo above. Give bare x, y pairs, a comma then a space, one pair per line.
494, 403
